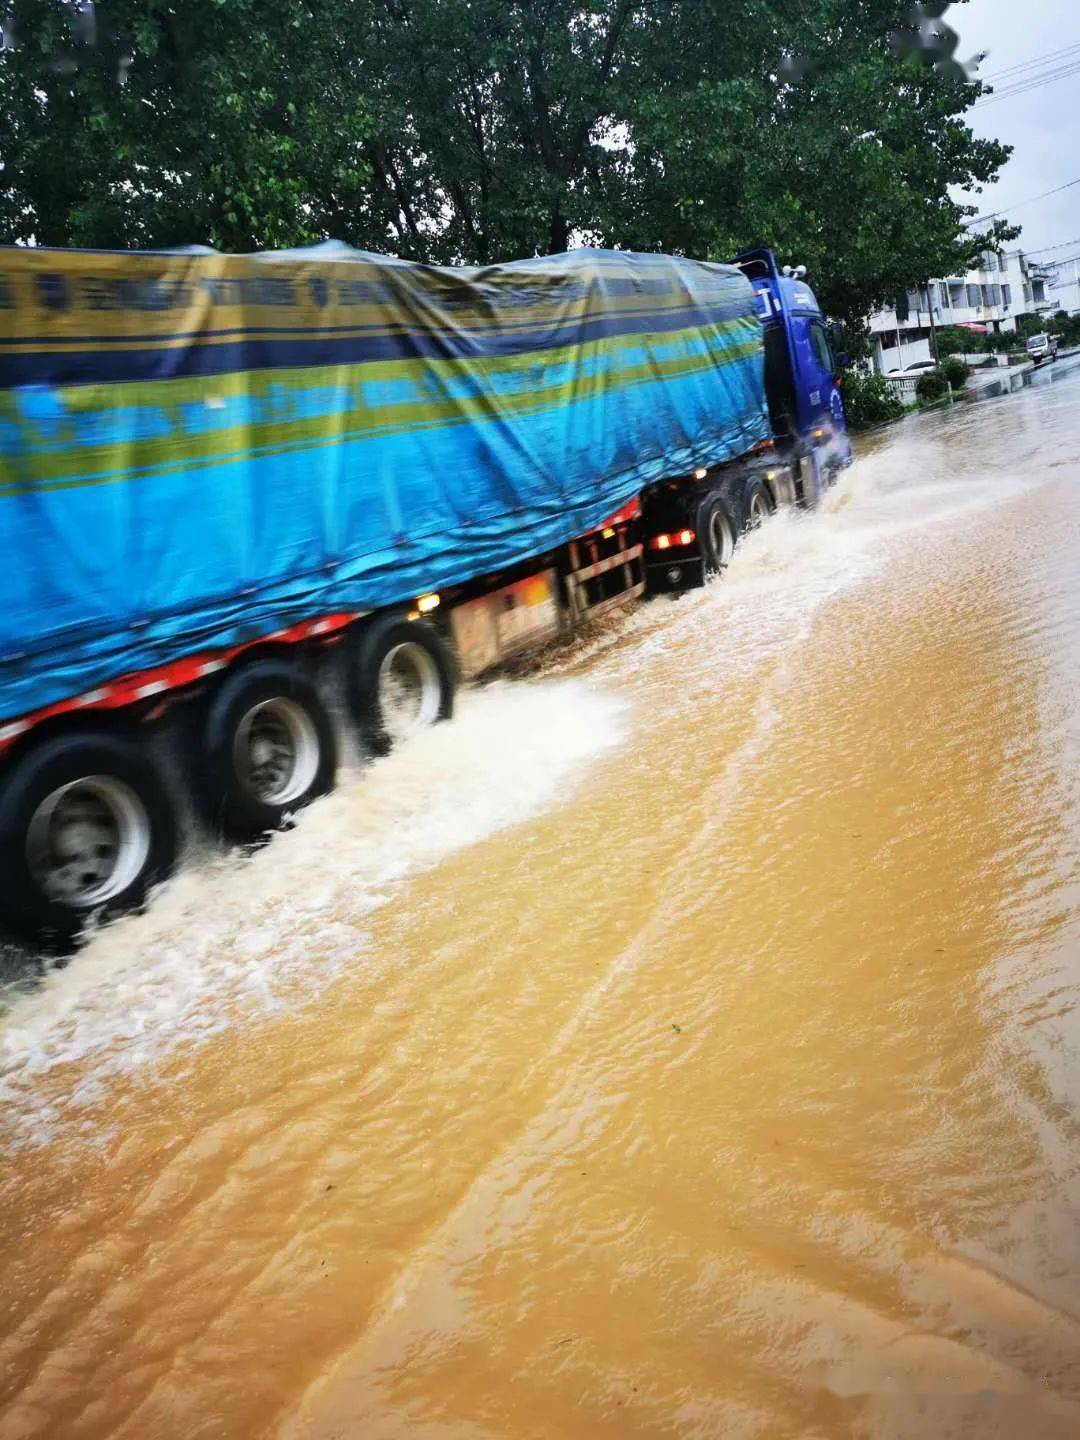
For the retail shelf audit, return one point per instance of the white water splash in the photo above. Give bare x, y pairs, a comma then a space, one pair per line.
238, 934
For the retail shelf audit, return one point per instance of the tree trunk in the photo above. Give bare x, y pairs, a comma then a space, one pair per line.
559, 237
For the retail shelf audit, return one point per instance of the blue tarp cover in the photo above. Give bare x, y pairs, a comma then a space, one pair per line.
196, 449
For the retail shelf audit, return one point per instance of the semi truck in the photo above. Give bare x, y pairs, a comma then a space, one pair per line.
246, 498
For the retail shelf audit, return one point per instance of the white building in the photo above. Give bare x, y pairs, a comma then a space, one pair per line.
1005, 286
1064, 283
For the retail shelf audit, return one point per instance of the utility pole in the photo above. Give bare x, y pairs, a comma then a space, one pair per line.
935, 356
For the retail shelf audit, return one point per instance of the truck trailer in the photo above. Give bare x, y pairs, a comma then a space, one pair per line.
240, 495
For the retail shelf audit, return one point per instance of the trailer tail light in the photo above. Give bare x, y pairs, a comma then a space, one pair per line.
700, 473
427, 603
667, 542
819, 434
608, 533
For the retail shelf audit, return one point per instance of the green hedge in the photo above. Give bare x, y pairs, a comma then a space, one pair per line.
868, 400
956, 371
932, 386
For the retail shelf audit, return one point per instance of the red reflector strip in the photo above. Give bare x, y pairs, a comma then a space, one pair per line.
144, 684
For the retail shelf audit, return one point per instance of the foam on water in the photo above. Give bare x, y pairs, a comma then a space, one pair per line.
783, 574
235, 934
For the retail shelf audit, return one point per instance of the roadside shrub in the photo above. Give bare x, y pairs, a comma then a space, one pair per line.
1066, 328
932, 387
957, 340
868, 400
955, 370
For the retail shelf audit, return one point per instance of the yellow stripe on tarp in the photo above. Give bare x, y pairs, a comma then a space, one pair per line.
131, 458
424, 293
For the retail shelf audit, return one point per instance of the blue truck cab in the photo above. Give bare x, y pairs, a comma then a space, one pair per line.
690, 527
802, 384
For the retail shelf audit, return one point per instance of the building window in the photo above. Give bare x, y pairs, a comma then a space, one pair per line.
1006, 295
973, 297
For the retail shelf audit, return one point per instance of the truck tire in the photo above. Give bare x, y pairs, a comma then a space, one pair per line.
812, 479
86, 828
717, 531
757, 506
268, 749
400, 678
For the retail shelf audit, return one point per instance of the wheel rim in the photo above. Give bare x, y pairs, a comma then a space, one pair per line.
721, 538
759, 510
410, 689
276, 751
88, 841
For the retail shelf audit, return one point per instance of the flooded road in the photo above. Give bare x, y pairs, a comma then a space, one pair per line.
685, 1041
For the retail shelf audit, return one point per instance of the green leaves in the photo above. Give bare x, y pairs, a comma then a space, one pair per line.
868, 401
230, 129
479, 130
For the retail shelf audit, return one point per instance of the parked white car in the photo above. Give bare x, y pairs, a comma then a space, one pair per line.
912, 371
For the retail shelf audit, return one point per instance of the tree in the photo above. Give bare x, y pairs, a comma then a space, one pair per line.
683, 127
481, 130
234, 123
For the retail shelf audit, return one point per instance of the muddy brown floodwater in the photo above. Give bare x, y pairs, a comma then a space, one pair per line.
685, 1041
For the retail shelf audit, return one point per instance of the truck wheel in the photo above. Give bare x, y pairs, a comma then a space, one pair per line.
812, 478
717, 530
400, 679
85, 829
268, 749
756, 506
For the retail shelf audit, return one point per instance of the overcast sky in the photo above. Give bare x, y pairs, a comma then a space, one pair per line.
1043, 125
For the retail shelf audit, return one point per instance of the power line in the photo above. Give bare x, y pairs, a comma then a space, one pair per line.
1038, 82
994, 214
1046, 248
1011, 71
1025, 85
